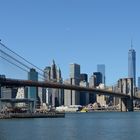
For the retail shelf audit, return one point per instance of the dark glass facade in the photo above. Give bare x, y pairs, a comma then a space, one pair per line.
139, 83
132, 65
84, 77
33, 91
98, 78
101, 69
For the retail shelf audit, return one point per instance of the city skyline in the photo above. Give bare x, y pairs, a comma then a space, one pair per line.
69, 69
87, 33
100, 67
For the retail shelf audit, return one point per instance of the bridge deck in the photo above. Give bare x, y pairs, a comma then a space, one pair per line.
23, 83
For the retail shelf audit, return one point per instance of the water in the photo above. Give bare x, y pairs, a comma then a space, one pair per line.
80, 126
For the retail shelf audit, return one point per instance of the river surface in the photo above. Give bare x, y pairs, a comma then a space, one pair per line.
76, 126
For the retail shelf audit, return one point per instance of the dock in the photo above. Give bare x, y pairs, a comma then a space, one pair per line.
32, 115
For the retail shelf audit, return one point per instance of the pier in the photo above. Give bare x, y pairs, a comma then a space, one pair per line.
32, 115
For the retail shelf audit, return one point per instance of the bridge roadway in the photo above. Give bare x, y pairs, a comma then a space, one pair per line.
23, 83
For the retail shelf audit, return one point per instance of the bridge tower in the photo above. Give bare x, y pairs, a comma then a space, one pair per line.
125, 86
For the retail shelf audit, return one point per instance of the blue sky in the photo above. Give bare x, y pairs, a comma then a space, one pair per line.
87, 32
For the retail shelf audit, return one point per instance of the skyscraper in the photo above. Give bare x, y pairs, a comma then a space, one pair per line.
75, 71
101, 69
32, 91
84, 95
84, 77
47, 73
98, 78
53, 96
92, 84
139, 83
72, 97
46, 92
132, 64
54, 72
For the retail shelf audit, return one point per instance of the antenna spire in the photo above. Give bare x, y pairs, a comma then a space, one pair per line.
131, 44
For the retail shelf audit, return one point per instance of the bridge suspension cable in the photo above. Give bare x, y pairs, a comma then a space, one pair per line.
14, 64
17, 63
21, 57
19, 66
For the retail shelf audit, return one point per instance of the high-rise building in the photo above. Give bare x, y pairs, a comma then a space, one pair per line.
47, 73
53, 97
94, 81
54, 72
84, 77
46, 92
33, 91
72, 97
132, 64
20, 95
84, 96
56, 95
139, 83
8, 93
67, 94
98, 78
75, 71
92, 84
60, 91
101, 69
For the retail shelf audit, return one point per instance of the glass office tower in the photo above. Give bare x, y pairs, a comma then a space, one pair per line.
101, 69
132, 65
32, 91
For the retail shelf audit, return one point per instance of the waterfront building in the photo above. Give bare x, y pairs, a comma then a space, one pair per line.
132, 64
8, 93
33, 91
72, 97
1, 76
138, 83
20, 95
101, 69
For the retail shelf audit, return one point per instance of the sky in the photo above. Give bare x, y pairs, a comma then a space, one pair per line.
86, 32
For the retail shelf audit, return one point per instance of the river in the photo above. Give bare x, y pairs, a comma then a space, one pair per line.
75, 126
